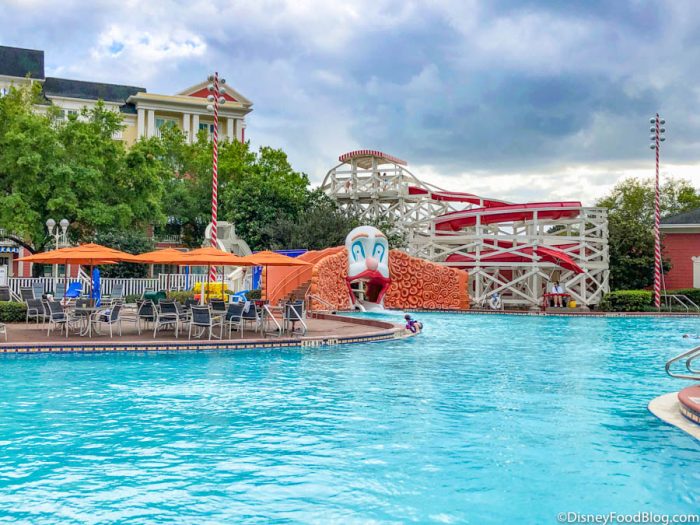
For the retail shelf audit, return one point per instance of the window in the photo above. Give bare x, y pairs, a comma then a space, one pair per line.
164, 123
65, 114
160, 122
209, 128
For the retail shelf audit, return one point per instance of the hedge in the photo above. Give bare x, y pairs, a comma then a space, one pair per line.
181, 297
691, 293
627, 301
11, 312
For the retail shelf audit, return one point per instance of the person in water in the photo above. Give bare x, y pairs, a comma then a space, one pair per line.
413, 325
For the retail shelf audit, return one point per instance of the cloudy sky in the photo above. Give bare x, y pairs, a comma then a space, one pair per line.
513, 99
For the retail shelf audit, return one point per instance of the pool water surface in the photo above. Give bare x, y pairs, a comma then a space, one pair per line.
480, 419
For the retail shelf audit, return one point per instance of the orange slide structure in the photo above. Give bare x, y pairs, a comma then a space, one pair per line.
285, 280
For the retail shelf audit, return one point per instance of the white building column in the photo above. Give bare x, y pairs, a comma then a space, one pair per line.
140, 122
195, 127
239, 130
229, 130
186, 127
151, 123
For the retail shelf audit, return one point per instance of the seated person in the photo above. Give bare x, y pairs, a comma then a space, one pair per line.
558, 299
412, 325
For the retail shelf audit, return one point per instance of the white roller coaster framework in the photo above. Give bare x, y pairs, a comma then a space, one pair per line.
372, 184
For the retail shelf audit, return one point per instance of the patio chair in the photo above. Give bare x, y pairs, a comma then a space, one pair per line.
3, 330
218, 306
202, 318
38, 289
59, 291
26, 294
57, 317
294, 313
190, 302
250, 315
35, 310
146, 313
167, 315
182, 312
117, 292
5, 293
109, 317
233, 318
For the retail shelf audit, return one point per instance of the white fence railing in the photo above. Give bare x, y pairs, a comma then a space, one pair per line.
131, 285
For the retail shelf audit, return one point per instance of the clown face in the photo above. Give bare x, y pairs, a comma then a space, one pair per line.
368, 257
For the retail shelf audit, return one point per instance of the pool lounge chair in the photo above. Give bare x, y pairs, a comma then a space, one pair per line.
3, 330
26, 294
59, 291
5, 293
38, 289
117, 292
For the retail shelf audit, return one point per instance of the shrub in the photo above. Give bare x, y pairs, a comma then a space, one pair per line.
11, 312
691, 293
627, 301
182, 296
254, 295
132, 298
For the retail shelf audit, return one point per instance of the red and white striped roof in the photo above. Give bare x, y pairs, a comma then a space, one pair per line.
369, 154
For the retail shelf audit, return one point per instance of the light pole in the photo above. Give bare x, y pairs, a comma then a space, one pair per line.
656, 139
215, 99
59, 236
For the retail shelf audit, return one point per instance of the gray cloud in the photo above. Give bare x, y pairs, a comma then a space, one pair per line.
467, 90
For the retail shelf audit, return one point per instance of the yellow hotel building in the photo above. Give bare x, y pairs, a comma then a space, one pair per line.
143, 113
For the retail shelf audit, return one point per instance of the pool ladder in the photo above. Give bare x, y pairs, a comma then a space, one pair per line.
688, 358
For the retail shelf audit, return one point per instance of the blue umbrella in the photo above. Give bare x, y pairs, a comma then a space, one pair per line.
96, 287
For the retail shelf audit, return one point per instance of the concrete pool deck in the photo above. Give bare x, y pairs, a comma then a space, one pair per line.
668, 409
324, 330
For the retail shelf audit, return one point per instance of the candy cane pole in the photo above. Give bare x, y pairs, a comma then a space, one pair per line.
657, 138
215, 99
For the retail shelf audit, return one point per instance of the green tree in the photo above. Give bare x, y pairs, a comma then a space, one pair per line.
268, 190
72, 169
631, 226
322, 224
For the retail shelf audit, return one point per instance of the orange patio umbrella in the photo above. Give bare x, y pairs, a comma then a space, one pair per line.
268, 258
85, 254
163, 256
209, 257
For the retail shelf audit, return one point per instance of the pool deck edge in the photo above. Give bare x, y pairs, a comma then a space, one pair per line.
377, 331
667, 408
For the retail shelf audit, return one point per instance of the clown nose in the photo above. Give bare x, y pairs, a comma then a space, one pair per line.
372, 263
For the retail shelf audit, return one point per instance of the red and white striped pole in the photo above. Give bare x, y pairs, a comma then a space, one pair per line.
215, 100
656, 139
215, 172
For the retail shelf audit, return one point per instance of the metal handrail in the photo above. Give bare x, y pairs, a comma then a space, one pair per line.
679, 298
270, 315
689, 357
322, 301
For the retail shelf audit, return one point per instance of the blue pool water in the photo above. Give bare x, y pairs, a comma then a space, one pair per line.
482, 419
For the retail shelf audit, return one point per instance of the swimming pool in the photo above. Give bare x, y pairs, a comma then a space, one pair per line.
482, 419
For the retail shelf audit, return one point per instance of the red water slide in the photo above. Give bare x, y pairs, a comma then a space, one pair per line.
545, 253
458, 220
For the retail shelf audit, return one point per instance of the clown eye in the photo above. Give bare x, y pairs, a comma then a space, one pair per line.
358, 251
378, 251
